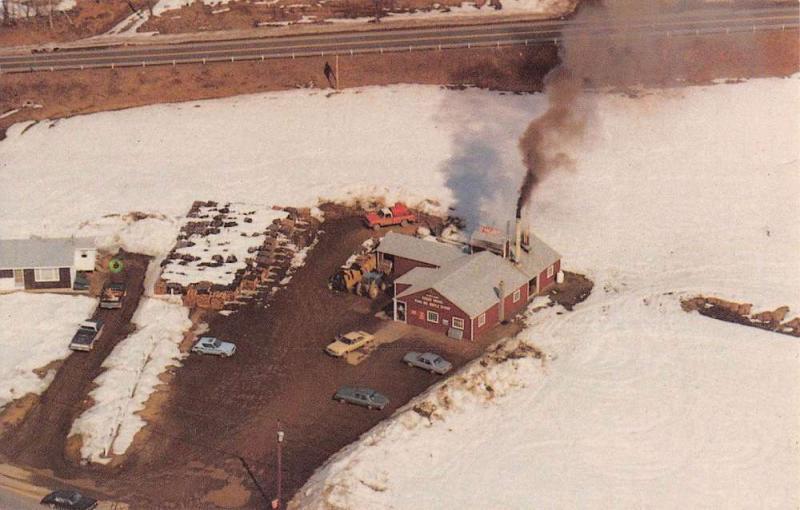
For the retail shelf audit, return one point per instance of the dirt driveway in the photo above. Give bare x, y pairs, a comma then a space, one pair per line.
40, 439
212, 443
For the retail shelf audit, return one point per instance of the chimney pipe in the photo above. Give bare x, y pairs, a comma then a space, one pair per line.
518, 240
502, 288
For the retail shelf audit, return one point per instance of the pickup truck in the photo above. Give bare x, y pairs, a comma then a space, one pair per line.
398, 214
112, 295
87, 333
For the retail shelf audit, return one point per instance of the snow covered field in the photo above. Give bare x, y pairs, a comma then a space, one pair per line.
674, 193
131, 375
278, 148
36, 331
644, 406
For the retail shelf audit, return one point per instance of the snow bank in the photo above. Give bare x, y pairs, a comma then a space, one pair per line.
640, 405
276, 148
130, 377
36, 331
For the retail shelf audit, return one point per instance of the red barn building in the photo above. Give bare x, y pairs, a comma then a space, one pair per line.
443, 289
463, 298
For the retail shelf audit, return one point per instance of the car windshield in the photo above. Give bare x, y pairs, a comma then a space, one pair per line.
216, 343
346, 340
437, 360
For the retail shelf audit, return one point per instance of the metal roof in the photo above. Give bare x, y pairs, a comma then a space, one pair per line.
38, 252
470, 282
539, 257
409, 247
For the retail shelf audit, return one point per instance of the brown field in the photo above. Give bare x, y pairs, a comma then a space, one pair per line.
244, 14
88, 18
517, 69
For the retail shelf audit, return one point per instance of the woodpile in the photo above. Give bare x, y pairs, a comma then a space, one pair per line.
266, 265
742, 313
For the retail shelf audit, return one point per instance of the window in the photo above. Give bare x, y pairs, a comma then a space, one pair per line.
458, 323
481, 319
433, 317
517, 295
46, 275
550, 271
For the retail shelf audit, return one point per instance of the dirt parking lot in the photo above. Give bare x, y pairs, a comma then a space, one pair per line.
214, 440
210, 443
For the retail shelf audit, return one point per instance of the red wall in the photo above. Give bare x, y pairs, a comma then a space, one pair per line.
544, 281
511, 309
402, 265
418, 304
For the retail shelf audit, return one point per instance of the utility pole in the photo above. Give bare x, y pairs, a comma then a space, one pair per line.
278, 501
337, 71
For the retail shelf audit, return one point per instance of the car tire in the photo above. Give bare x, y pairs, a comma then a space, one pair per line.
341, 400
376, 227
369, 407
410, 364
404, 223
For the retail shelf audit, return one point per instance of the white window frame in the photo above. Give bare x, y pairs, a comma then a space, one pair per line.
550, 271
481, 319
428, 316
40, 276
458, 323
517, 295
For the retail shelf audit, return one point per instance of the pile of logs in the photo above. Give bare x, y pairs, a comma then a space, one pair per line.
742, 313
265, 268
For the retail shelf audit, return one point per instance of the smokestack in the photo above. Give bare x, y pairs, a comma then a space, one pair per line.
518, 238
502, 288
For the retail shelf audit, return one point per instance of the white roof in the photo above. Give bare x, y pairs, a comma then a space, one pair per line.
471, 282
409, 247
39, 252
538, 258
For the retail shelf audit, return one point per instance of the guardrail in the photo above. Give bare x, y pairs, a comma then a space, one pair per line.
245, 54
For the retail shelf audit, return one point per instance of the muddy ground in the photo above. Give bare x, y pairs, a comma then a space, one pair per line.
212, 441
516, 69
39, 440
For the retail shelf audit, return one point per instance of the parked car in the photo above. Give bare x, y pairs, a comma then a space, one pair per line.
398, 214
70, 500
365, 397
112, 295
428, 361
214, 346
87, 333
348, 342
81, 282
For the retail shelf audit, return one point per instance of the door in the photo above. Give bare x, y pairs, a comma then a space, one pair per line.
401, 312
19, 279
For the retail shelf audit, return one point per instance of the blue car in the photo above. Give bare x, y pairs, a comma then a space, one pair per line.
365, 397
214, 346
69, 500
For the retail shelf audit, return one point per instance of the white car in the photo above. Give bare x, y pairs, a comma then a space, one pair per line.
214, 346
428, 361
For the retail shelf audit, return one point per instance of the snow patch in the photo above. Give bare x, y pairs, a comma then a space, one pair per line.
36, 331
131, 375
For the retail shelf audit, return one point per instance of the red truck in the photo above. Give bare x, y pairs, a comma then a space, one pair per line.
398, 214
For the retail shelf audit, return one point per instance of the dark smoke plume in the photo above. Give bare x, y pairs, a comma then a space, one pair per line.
563, 121
622, 61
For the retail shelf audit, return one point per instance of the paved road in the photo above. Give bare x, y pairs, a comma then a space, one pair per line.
10, 500
379, 41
